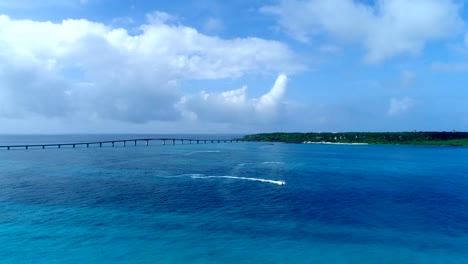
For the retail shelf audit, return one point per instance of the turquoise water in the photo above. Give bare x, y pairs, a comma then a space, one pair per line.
225, 203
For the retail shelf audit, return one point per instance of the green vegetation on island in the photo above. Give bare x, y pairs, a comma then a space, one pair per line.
410, 138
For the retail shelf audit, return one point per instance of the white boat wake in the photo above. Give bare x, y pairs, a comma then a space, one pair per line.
199, 176
203, 151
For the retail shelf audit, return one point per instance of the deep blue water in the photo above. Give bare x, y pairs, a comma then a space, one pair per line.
221, 203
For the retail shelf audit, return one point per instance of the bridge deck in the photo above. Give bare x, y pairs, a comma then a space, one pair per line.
123, 141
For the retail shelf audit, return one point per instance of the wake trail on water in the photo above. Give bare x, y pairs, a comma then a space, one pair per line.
244, 164
272, 162
264, 163
199, 176
203, 151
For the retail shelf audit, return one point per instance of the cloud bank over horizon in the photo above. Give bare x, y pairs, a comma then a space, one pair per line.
79, 67
199, 66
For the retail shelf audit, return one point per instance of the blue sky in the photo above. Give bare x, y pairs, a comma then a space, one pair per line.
102, 66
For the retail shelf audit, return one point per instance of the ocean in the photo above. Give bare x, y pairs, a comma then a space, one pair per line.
232, 203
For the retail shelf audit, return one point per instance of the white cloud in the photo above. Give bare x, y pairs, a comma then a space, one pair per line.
268, 105
386, 29
399, 106
234, 106
78, 67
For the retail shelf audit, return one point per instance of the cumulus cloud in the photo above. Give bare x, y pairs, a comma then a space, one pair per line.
235, 106
268, 105
399, 106
91, 69
386, 29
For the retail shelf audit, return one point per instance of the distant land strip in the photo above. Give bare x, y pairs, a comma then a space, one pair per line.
453, 138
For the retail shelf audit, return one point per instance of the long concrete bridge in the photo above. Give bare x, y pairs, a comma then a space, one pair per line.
122, 142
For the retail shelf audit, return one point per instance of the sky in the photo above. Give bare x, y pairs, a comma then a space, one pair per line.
244, 66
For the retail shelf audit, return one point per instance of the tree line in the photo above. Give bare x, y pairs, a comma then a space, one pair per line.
421, 138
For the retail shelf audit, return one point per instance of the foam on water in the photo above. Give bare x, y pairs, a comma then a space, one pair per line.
203, 151
244, 164
199, 176
273, 162
264, 163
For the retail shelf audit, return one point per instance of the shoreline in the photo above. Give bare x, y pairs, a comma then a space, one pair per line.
377, 144
333, 143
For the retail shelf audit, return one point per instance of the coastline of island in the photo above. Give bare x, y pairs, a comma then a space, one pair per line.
452, 138
333, 143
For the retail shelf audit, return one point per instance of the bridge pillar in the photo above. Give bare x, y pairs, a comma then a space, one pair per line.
8, 148
147, 142
125, 143
164, 142
26, 147
87, 145
182, 141
135, 142
73, 145
198, 141
59, 146
100, 144
112, 143
173, 142
43, 147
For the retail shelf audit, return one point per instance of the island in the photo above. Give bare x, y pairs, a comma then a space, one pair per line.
452, 138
